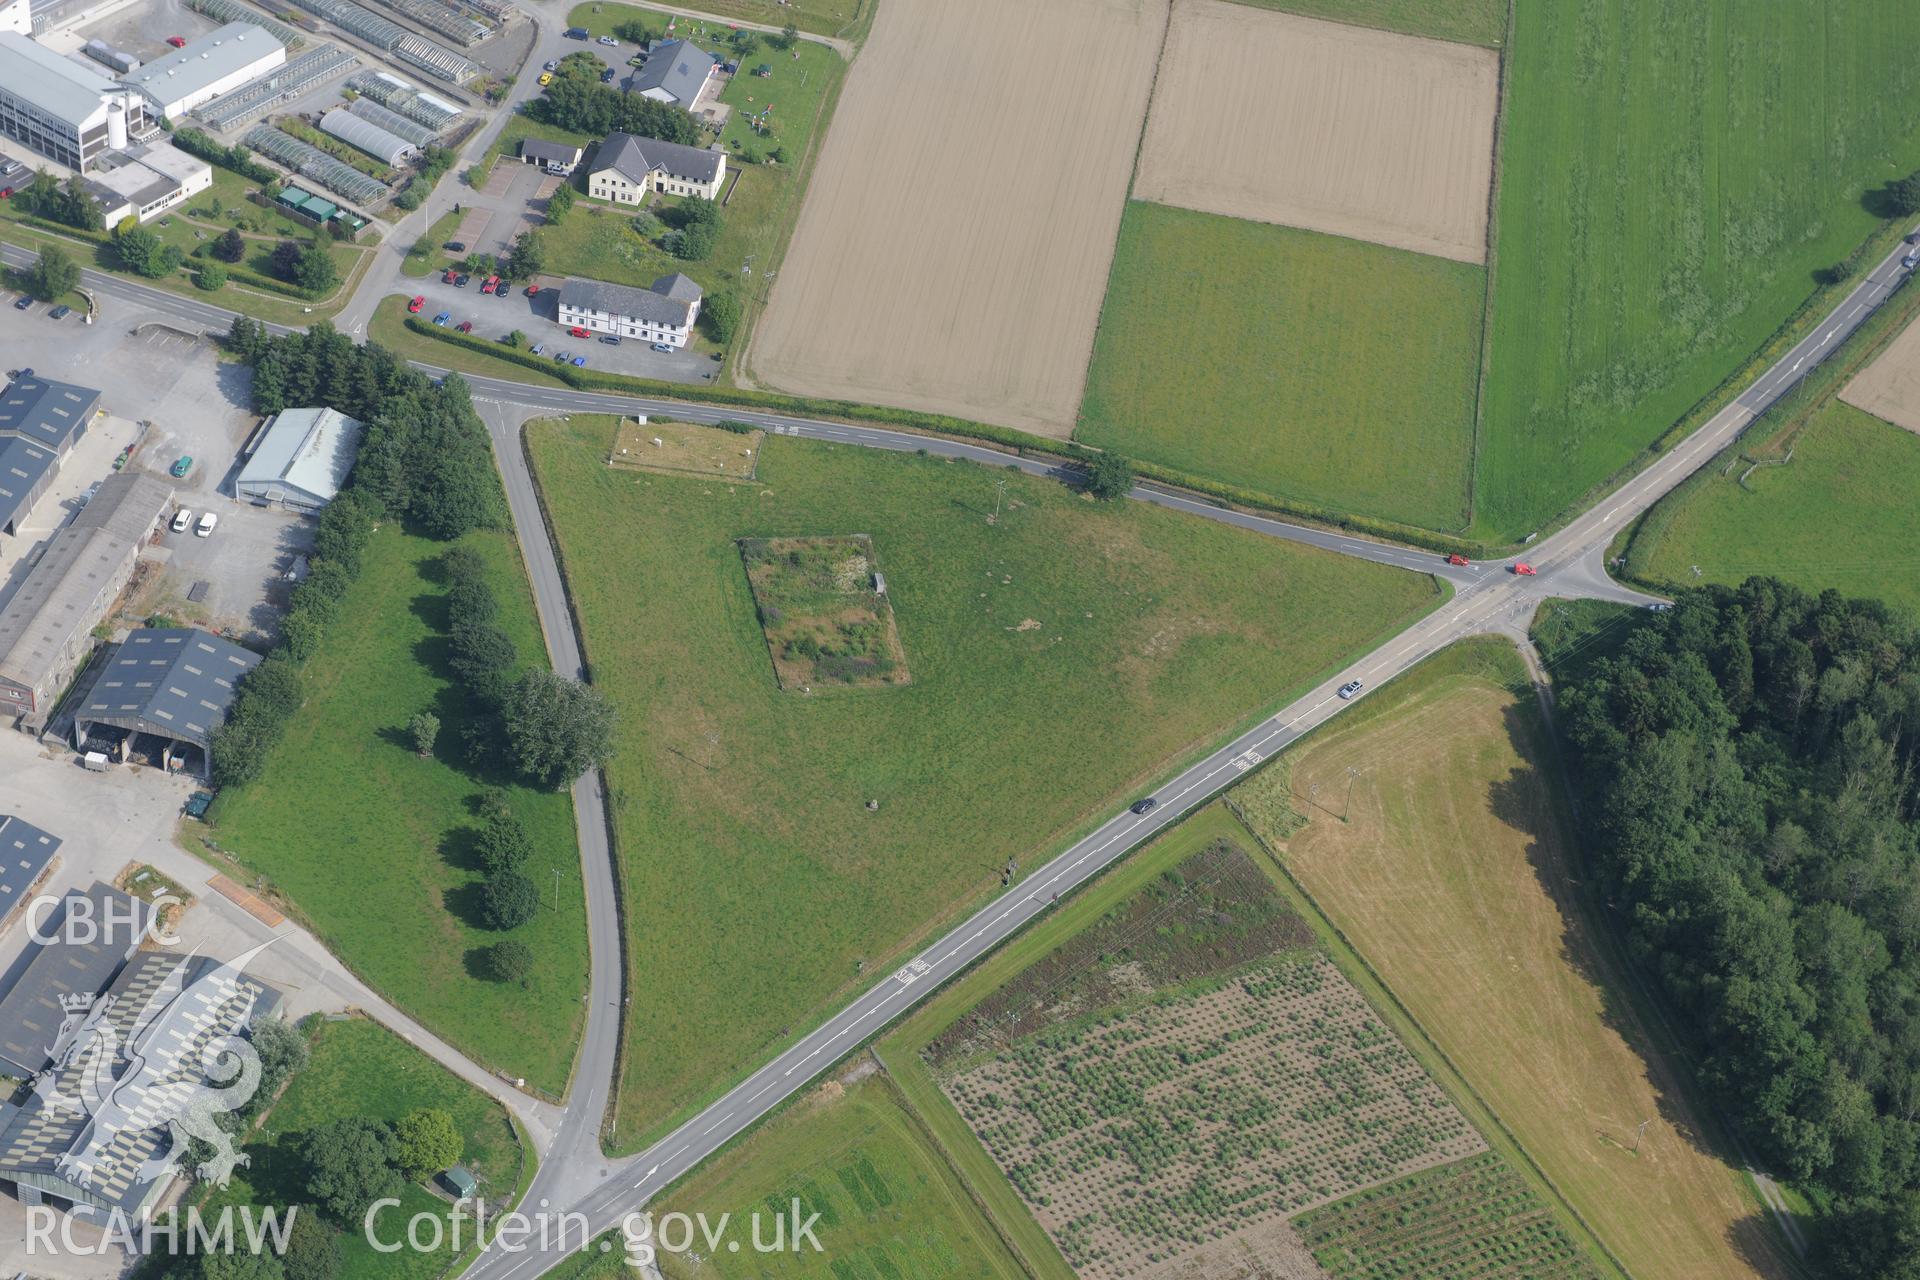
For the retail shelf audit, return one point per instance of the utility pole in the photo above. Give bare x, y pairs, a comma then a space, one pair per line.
556, 887
1638, 1132
999, 492
1346, 806
1312, 792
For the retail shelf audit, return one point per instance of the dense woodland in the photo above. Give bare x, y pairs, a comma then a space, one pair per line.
1751, 778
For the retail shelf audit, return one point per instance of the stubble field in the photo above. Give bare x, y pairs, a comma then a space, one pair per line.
1889, 388
953, 247
1335, 128
1453, 873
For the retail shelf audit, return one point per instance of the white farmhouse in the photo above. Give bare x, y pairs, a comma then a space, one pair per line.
626, 168
665, 313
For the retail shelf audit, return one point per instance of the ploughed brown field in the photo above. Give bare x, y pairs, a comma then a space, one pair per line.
1359, 133
953, 249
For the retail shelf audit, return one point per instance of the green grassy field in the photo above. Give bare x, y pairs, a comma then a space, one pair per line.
1470, 21
1572, 635
889, 1206
424, 255
369, 841
1308, 366
1840, 514
359, 1068
1673, 172
1062, 655
822, 17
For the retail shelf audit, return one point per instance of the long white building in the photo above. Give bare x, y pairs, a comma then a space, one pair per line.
67, 112
207, 68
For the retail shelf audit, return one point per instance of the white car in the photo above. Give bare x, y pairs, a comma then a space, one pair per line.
1348, 689
181, 519
205, 527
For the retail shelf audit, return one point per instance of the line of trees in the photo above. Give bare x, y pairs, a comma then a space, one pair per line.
198, 142
1751, 770
66, 203
580, 103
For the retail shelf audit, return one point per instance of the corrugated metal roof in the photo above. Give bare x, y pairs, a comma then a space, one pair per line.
48, 413
310, 449
176, 682
30, 1016
185, 72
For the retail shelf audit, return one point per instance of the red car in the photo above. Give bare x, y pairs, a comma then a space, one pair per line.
465, 326
1524, 569
578, 332
178, 42
492, 285
418, 302
450, 277
532, 289
1457, 558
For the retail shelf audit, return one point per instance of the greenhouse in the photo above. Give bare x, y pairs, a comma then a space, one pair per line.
234, 11
357, 131
393, 122
311, 162
257, 97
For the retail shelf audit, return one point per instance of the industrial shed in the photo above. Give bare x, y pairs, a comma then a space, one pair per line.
301, 460
31, 1015
26, 854
388, 148
208, 67
171, 684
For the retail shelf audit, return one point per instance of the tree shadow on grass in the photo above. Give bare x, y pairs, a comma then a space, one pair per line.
466, 903
460, 848
479, 964
278, 1170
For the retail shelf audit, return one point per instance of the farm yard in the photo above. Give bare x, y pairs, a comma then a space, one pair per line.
1673, 173
1469, 21
953, 247
1452, 873
1150, 1129
890, 1208
1335, 128
1280, 382
1474, 1220
1839, 514
1033, 618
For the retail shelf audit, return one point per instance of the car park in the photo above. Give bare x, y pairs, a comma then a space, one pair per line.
443, 317
182, 520
1348, 689
181, 465
60, 312
663, 348
25, 304
1143, 806
419, 301
465, 326
205, 528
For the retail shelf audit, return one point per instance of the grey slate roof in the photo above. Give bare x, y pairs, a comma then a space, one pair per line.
50, 414
634, 157
550, 152
677, 67
176, 682
22, 467
30, 1015
646, 305
678, 287
59, 86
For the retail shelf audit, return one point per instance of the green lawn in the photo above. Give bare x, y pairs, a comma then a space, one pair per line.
371, 843
1673, 173
1840, 514
424, 255
1470, 21
846, 18
359, 1068
1315, 368
889, 1205
1062, 657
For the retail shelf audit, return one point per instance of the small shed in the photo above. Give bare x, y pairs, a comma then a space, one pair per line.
461, 1183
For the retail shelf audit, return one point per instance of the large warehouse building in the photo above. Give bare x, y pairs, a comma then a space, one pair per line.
301, 459
46, 628
61, 109
69, 962
40, 421
207, 68
169, 685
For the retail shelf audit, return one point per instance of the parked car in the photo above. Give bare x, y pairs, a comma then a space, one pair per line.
486, 286
532, 289
1659, 606
205, 528
1348, 689
606, 77
551, 65
578, 332
60, 312
610, 340
456, 246
539, 349
461, 283
663, 348
465, 326
443, 317
579, 362
608, 40
181, 465
25, 304
450, 277
181, 520
1910, 262
546, 78
419, 301
561, 357
576, 33
178, 42
1142, 806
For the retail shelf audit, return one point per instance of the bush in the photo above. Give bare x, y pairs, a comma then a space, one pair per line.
720, 316
508, 900
691, 244
504, 844
422, 730
425, 1142
230, 247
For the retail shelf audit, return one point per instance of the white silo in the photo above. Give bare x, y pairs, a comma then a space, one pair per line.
116, 126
